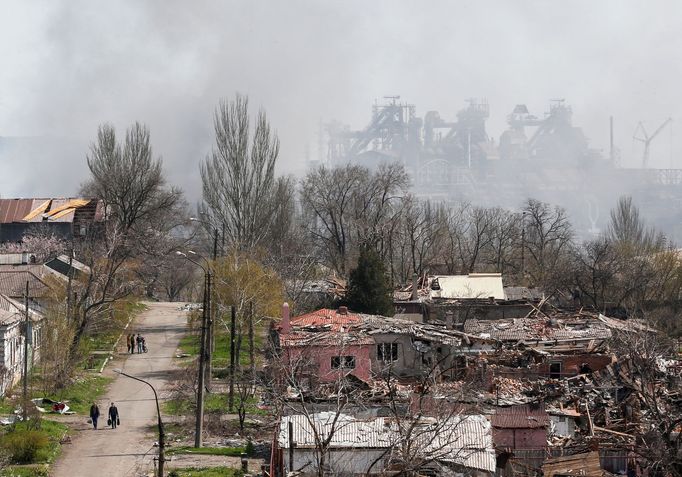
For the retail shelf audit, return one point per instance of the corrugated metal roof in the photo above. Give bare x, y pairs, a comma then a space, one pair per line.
13, 284
474, 285
32, 210
464, 440
520, 417
9, 317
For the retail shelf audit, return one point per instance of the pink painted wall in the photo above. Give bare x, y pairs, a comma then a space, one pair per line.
320, 357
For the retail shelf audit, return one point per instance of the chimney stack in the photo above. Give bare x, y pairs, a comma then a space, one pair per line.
286, 323
343, 310
415, 288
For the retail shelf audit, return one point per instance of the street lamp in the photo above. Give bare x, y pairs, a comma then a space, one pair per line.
211, 311
162, 437
199, 425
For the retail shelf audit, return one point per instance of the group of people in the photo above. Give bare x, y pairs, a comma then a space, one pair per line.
136, 340
113, 419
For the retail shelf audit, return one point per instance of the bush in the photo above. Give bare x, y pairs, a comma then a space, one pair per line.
24, 447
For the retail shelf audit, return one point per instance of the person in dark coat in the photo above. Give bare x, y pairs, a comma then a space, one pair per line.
128, 343
113, 415
132, 343
94, 414
139, 343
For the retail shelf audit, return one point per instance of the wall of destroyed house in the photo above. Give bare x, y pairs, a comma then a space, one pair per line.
413, 357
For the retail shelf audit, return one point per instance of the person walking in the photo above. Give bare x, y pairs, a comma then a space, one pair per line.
132, 343
113, 415
128, 342
94, 414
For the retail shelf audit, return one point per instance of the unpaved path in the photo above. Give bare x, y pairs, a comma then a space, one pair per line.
128, 450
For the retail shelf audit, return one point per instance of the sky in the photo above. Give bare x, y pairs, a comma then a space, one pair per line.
68, 66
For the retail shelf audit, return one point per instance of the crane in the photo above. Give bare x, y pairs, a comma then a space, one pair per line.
646, 139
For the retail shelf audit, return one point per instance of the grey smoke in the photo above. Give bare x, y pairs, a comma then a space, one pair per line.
67, 66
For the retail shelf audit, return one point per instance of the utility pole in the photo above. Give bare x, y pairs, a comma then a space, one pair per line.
523, 245
26, 338
233, 326
211, 318
199, 425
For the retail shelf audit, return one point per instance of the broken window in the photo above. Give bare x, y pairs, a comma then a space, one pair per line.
343, 362
555, 370
387, 352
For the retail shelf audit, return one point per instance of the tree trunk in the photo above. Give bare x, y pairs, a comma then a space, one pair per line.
252, 351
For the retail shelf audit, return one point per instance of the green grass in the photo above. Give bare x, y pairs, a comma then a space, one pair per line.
40, 470
206, 472
213, 402
52, 430
221, 356
225, 451
83, 392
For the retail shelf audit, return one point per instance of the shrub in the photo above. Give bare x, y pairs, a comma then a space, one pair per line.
24, 447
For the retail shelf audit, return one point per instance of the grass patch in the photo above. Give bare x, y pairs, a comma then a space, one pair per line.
83, 392
25, 471
206, 472
26, 445
225, 451
213, 402
189, 344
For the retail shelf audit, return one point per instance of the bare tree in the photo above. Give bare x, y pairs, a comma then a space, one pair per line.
548, 237
127, 178
347, 207
240, 190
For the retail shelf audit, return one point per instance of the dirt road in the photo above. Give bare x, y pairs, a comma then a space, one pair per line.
127, 451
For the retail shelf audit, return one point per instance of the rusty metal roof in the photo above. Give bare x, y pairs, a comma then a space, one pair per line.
520, 417
33, 210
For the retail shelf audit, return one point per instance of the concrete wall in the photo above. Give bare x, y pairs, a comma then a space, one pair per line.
481, 311
410, 361
563, 425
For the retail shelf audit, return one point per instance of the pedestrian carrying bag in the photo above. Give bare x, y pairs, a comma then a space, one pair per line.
118, 421
108, 422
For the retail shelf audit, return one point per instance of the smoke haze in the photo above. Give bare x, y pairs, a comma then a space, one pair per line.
68, 66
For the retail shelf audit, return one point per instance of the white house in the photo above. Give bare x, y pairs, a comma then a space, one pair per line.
462, 444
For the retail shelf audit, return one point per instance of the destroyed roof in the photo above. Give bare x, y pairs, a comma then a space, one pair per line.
324, 338
560, 328
586, 464
472, 286
331, 319
528, 416
463, 440
36, 209
382, 325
